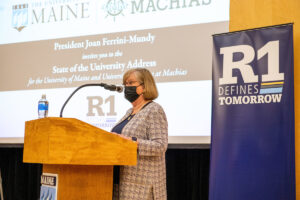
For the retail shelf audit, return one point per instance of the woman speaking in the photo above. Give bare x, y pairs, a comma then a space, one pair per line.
145, 123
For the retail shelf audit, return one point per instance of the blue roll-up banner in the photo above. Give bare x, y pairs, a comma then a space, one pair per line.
253, 134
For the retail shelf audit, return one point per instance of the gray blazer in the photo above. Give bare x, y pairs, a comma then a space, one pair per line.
146, 180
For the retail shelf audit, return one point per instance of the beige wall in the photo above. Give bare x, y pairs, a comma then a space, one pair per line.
245, 14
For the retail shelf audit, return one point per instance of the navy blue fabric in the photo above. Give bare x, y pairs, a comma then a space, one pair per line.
119, 127
252, 146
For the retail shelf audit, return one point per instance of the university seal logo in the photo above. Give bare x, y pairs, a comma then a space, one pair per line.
114, 8
20, 16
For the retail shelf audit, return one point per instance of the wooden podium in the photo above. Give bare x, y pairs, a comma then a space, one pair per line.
81, 154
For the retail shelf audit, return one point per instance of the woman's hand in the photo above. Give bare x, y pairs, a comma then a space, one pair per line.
124, 136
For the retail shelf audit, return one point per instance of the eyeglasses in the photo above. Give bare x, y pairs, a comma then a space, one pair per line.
131, 83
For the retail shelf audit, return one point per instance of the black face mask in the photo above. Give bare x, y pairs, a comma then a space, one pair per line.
130, 93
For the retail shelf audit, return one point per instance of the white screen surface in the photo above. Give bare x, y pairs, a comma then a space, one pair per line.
52, 47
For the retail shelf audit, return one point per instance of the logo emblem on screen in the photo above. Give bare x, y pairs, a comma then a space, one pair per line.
20, 16
115, 8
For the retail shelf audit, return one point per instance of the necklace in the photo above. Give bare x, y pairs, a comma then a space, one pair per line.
130, 117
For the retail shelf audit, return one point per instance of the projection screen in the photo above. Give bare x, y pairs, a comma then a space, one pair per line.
51, 47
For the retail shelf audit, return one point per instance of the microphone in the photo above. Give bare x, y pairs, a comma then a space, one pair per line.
105, 86
113, 88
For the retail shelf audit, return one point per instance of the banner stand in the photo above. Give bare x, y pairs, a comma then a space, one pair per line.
253, 116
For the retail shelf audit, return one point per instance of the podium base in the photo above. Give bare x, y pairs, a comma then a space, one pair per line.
82, 181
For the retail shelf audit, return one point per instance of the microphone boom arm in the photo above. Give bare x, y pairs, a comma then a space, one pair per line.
85, 85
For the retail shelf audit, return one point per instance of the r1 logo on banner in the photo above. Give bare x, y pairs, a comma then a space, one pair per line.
271, 49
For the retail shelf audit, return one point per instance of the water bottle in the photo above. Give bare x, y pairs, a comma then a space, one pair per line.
43, 107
